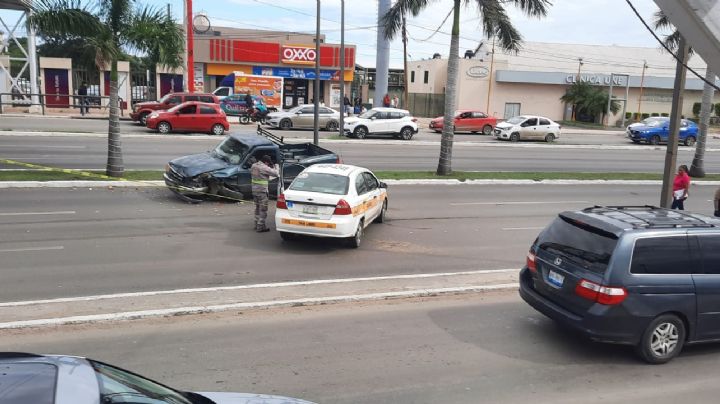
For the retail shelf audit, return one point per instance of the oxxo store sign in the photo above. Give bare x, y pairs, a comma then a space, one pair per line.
298, 55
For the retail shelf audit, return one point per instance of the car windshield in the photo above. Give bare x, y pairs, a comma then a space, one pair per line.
231, 150
321, 182
368, 114
586, 246
654, 123
647, 121
165, 98
176, 108
516, 120
119, 386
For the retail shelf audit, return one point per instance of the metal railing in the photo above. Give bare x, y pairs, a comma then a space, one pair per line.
82, 102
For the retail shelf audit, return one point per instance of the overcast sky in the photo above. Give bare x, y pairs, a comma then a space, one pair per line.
602, 22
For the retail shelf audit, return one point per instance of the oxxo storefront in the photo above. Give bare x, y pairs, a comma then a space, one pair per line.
290, 56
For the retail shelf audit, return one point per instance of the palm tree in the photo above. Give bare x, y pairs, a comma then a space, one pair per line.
589, 100
697, 168
109, 27
495, 22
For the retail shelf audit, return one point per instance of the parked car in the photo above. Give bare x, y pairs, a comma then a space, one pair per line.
382, 121
302, 117
467, 121
225, 170
644, 122
190, 117
331, 200
62, 379
657, 131
142, 110
528, 127
643, 276
234, 105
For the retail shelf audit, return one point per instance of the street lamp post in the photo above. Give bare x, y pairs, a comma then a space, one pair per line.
316, 84
190, 47
342, 67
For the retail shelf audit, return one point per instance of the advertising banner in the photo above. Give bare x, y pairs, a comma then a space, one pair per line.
299, 73
269, 88
57, 88
199, 77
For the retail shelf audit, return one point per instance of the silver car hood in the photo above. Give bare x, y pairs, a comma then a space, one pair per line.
249, 398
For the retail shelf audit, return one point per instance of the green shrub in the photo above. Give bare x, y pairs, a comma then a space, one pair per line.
654, 114
717, 109
696, 108
628, 115
665, 114
645, 115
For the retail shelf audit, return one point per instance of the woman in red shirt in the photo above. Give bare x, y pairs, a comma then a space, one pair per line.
681, 185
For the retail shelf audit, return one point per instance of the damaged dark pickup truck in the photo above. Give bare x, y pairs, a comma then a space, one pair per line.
225, 170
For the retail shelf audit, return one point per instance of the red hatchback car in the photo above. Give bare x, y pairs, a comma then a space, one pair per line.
190, 117
468, 121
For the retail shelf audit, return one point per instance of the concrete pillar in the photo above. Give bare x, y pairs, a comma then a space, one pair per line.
33, 64
382, 60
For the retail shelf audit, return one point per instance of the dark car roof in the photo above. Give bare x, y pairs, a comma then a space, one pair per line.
252, 140
620, 219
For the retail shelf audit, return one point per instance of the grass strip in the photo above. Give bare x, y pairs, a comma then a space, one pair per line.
153, 175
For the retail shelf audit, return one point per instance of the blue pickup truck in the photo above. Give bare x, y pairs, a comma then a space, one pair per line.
225, 170
656, 130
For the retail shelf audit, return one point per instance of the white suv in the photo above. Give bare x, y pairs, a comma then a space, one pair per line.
382, 121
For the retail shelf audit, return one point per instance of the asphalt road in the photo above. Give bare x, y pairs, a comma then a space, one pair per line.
85, 152
471, 349
77, 242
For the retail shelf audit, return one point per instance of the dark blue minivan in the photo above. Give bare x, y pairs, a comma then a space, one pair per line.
638, 275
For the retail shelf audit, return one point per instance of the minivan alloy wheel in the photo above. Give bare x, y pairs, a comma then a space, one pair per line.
664, 339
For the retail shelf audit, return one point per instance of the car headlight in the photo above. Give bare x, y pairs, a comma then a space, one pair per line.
167, 167
154, 115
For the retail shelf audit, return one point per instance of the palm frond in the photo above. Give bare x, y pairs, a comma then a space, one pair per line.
64, 18
661, 21
150, 31
392, 20
496, 22
116, 13
531, 8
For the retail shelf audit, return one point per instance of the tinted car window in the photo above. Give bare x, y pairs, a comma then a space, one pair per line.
120, 386
325, 111
207, 98
192, 98
478, 115
586, 246
307, 110
661, 255
320, 182
370, 182
397, 115
205, 110
223, 92
710, 254
530, 122
360, 185
190, 109
27, 383
174, 100
544, 122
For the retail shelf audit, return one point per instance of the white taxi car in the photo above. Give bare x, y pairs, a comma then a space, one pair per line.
331, 200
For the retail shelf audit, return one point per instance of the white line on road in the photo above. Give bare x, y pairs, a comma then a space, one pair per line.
59, 212
522, 228
517, 203
134, 315
35, 147
28, 249
255, 286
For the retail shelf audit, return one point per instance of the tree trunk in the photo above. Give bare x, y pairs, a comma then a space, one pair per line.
115, 166
697, 169
446, 141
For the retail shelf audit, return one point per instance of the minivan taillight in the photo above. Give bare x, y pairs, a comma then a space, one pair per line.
530, 261
342, 208
281, 202
599, 293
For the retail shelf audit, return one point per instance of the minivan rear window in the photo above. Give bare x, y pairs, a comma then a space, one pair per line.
27, 383
582, 244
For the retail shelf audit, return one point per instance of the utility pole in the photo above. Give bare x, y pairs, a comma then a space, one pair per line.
638, 117
577, 80
190, 47
406, 94
316, 83
382, 60
580, 63
490, 77
675, 116
342, 67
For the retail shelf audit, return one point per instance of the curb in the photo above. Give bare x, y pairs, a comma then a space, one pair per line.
146, 184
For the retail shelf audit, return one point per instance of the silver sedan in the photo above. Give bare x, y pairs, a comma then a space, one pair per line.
55, 379
302, 117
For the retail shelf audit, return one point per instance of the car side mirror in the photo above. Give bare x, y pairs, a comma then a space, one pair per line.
383, 185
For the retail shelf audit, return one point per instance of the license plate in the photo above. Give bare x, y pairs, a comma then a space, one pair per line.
555, 279
310, 209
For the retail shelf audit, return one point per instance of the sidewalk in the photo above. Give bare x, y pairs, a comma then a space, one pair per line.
131, 306
63, 113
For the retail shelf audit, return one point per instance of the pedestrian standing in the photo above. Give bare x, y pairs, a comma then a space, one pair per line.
358, 105
347, 106
717, 203
396, 102
386, 100
82, 93
261, 172
681, 185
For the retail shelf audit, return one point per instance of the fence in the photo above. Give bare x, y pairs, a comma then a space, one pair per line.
426, 105
62, 101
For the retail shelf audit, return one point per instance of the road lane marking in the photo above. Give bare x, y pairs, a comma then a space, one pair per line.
522, 228
517, 203
43, 146
59, 212
28, 249
255, 286
135, 315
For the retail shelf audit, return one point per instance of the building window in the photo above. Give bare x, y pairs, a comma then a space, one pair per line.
511, 109
412, 76
426, 77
